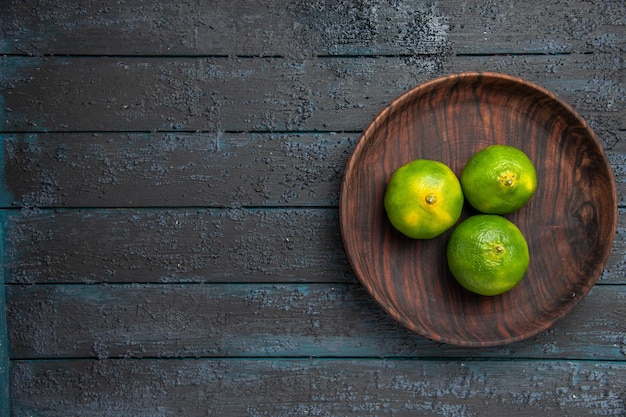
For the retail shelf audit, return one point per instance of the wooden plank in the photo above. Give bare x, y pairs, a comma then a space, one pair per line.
616, 153
267, 320
181, 169
192, 245
615, 270
190, 169
553, 27
273, 94
317, 387
175, 245
268, 27
207, 94
300, 28
4, 341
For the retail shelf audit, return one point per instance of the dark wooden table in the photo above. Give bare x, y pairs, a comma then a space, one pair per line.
170, 182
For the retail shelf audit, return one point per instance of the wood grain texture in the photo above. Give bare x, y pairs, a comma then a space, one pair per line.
569, 223
190, 169
191, 245
4, 341
317, 387
206, 94
277, 27
241, 27
487, 27
180, 169
268, 320
270, 94
175, 245
617, 259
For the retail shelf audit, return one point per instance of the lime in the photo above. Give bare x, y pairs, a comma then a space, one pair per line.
487, 254
499, 179
423, 199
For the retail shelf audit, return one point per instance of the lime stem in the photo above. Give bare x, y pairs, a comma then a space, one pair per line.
508, 179
431, 199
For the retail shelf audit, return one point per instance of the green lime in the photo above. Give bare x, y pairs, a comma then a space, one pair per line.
499, 179
487, 254
423, 199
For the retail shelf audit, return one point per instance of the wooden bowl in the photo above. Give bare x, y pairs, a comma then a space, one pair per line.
569, 223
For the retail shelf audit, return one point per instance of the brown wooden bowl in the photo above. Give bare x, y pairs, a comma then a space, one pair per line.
569, 223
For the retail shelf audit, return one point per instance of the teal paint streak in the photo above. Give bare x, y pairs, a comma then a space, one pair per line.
3, 106
6, 80
3, 111
13, 70
4, 349
6, 196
